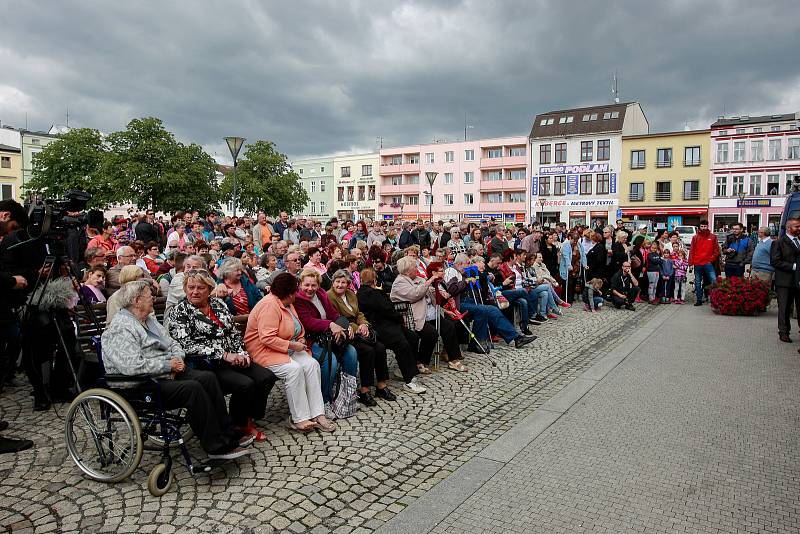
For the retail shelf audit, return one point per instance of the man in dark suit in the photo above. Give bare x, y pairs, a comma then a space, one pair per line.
784, 257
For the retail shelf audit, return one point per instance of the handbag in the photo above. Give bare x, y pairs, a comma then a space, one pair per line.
405, 310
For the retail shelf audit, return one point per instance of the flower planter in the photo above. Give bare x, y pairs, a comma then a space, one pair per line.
740, 296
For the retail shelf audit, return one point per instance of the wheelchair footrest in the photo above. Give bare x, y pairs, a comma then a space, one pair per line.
201, 469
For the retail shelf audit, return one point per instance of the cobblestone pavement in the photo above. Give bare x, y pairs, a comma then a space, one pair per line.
354, 480
696, 431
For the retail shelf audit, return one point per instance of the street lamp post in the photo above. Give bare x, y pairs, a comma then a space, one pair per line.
234, 145
741, 194
542, 202
431, 176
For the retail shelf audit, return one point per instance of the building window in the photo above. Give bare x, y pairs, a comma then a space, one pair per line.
755, 184
313, 187
371, 192
469, 155
516, 197
313, 207
637, 159
586, 150
322, 169
396, 200
586, 184
757, 129
691, 156
412, 179
774, 149
494, 153
516, 151
637, 192
366, 170
5, 162
593, 117
738, 151
448, 156
345, 172
413, 200
722, 186
774, 128
663, 191
739, 131
340, 194
603, 184
322, 207
429, 200
6, 191
664, 157
493, 176
322, 186
397, 180
300, 171
603, 149
691, 190
615, 114
722, 153
544, 186
397, 160
560, 185
544, 153
469, 198
757, 150
585, 118
494, 198
429, 157
738, 185
561, 153
516, 174
351, 192
722, 132
773, 184
469, 177
448, 178
413, 159
362, 193
448, 199
794, 148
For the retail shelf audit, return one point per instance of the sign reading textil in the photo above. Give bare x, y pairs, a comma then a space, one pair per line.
581, 203
588, 168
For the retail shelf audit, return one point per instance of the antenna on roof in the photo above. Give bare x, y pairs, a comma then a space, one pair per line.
67, 118
615, 88
379, 142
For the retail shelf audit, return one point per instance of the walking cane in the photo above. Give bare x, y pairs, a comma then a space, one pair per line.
438, 353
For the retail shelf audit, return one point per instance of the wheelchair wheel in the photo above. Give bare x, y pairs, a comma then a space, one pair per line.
159, 481
153, 440
103, 435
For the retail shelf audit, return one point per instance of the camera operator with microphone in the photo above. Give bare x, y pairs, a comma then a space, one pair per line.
12, 295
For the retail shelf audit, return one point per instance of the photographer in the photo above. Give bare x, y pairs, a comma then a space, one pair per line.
12, 291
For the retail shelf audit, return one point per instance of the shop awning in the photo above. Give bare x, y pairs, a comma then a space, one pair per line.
664, 211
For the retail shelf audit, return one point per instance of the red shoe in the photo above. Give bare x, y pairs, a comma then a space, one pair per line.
565, 304
496, 339
552, 316
251, 429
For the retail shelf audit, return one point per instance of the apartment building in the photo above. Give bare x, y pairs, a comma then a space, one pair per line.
316, 176
356, 184
755, 160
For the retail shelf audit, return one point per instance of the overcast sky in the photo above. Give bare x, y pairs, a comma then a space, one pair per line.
330, 77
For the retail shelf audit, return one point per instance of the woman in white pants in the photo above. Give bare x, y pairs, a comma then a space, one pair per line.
275, 339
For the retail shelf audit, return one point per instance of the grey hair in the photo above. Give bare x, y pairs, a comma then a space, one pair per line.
121, 251
342, 273
461, 258
229, 266
405, 264
131, 291
197, 258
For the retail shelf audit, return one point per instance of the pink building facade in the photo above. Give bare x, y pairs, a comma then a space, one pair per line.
474, 180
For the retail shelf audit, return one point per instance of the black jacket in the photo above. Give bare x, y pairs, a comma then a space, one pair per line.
146, 232
784, 256
377, 307
406, 239
421, 238
596, 261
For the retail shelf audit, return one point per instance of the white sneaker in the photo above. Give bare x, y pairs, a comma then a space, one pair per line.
413, 387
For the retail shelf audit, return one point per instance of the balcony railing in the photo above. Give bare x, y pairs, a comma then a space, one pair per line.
636, 197
691, 195
663, 195
637, 165
663, 164
691, 162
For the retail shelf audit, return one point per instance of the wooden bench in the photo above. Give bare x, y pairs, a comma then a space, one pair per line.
87, 329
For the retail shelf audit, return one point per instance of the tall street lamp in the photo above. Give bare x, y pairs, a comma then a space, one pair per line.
542, 202
234, 145
741, 194
431, 176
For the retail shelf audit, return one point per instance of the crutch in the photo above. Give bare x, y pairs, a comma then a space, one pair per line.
437, 355
474, 283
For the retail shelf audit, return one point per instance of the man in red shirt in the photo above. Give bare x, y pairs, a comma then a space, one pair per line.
106, 243
703, 253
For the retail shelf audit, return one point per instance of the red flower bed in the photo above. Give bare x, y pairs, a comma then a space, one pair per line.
740, 296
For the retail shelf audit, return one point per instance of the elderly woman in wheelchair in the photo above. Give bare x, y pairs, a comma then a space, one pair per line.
143, 363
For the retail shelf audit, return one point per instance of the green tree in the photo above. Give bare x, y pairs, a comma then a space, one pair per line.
74, 161
151, 169
265, 181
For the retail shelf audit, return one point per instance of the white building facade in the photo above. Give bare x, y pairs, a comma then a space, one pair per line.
316, 176
355, 181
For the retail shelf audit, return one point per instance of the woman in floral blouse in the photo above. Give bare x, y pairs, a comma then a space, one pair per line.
205, 329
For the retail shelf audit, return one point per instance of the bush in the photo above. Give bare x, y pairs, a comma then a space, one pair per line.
740, 296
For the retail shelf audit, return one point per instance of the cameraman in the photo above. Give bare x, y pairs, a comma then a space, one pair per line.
12, 295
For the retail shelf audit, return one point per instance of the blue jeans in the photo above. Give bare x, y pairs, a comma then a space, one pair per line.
483, 316
703, 272
539, 298
519, 298
328, 368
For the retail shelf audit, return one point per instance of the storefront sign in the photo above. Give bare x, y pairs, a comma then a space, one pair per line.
534, 186
580, 203
588, 168
509, 217
754, 203
612, 186
473, 216
673, 221
520, 217
492, 215
572, 184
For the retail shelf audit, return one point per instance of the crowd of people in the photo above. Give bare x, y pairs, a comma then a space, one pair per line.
251, 301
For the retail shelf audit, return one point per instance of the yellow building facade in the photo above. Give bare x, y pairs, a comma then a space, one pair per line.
664, 178
10, 173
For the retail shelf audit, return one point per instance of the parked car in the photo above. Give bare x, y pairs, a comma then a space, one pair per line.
686, 234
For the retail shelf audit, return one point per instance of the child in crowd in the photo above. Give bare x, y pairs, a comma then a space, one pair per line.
680, 264
653, 273
667, 273
593, 295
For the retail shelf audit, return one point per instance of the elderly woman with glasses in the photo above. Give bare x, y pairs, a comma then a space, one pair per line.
371, 352
275, 338
135, 344
243, 295
206, 331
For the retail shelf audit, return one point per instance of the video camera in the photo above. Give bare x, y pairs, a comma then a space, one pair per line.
50, 217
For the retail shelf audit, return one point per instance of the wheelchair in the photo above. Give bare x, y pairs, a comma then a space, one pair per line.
108, 427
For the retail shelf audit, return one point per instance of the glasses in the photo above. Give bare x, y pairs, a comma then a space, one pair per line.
292, 259
197, 272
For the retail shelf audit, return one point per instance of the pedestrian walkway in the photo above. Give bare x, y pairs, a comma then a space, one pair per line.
696, 430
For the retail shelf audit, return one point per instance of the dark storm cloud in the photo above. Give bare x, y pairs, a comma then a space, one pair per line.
325, 77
